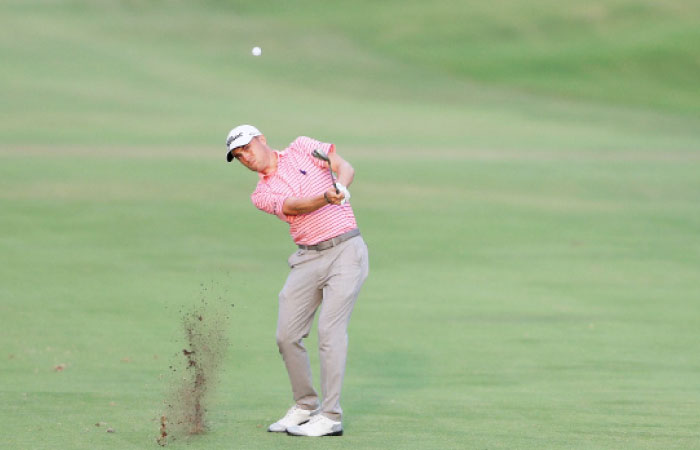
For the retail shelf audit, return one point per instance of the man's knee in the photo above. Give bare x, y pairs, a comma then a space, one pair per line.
290, 329
287, 340
283, 340
283, 334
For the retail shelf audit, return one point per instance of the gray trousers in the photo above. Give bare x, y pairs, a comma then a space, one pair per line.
331, 279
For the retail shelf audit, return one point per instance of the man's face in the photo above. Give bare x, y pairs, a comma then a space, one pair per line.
252, 155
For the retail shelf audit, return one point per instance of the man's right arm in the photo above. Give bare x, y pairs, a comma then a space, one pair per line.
294, 206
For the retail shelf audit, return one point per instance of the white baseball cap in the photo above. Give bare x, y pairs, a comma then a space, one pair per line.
239, 136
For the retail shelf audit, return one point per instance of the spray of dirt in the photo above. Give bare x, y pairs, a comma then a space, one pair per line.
186, 405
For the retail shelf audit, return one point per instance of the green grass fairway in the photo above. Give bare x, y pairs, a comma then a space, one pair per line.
529, 194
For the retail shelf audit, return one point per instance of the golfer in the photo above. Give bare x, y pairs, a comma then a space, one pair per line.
327, 270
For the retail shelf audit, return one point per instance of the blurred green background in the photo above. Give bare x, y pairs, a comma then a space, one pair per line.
526, 180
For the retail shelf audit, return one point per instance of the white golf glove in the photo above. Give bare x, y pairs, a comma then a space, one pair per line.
345, 192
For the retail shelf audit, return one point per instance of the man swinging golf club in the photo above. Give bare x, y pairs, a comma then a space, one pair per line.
328, 270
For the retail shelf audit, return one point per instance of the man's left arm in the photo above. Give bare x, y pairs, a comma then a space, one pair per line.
345, 171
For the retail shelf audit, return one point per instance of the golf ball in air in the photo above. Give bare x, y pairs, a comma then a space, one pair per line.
257, 51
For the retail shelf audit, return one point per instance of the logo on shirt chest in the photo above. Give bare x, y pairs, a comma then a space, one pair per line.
303, 172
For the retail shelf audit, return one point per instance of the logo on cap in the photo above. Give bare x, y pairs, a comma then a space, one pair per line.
233, 138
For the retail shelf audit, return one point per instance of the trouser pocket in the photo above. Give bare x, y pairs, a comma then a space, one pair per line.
302, 256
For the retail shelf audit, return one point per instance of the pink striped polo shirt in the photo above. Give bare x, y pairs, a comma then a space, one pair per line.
299, 174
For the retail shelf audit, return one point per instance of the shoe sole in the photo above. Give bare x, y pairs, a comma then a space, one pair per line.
284, 431
335, 433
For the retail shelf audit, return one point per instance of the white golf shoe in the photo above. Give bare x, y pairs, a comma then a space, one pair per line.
318, 425
295, 416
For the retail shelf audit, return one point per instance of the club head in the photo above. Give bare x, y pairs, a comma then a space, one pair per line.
320, 154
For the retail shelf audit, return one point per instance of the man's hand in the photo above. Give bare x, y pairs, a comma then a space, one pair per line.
333, 197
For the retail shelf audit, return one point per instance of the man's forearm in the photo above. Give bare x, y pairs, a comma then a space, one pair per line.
293, 206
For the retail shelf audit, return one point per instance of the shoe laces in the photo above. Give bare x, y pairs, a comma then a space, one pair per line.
316, 418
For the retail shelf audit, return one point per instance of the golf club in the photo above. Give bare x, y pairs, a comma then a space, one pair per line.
320, 154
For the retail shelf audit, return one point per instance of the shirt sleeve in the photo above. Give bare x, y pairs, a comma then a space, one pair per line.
271, 203
307, 145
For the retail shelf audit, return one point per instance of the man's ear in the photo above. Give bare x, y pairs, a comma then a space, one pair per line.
262, 139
